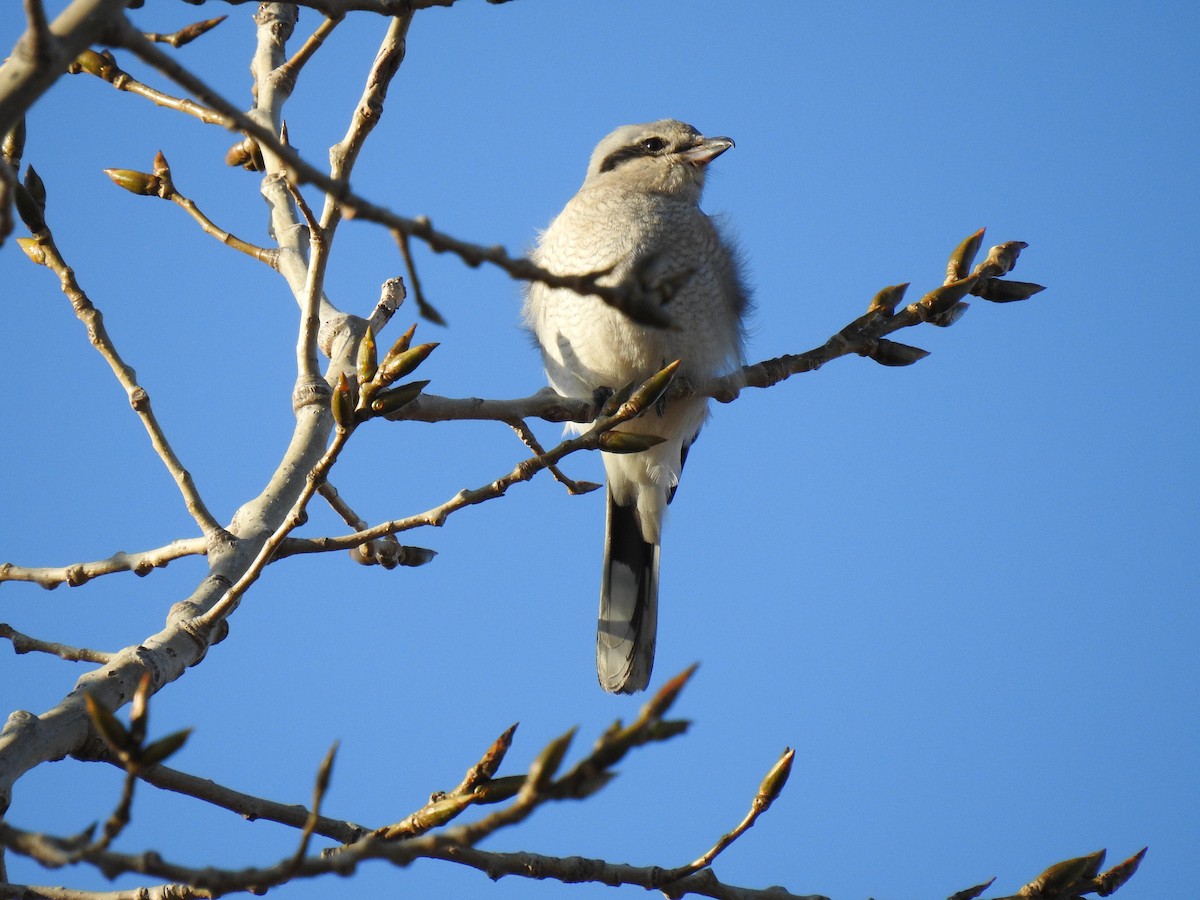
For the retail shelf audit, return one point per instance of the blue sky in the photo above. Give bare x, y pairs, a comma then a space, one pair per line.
964, 591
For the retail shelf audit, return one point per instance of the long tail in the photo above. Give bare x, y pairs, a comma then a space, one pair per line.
628, 604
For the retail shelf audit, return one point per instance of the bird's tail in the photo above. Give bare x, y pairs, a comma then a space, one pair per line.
628, 622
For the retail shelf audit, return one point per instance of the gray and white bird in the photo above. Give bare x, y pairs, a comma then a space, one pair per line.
637, 218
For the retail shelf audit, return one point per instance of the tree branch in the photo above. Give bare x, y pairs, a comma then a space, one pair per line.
140, 563
23, 643
46, 252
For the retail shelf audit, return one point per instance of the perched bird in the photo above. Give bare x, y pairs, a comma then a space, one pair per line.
637, 219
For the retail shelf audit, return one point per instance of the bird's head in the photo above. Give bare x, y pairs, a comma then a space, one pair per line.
664, 157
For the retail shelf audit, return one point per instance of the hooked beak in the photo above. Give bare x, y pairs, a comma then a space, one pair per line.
707, 150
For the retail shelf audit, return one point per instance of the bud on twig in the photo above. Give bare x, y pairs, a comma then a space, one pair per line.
1108, 882
141, 183
368, 362
893, 353
139, 710
542, 770
616, 398
395, 367
33, 249
654, 387
91, 62
1062, 878
972, 892
13, 146
962, 257
772, 785
887, 299
999, 291
342, 403
110, 729
160, 750
397, 397
1001, 259
942, 299
627, 442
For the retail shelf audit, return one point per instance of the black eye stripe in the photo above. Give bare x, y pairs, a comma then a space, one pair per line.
651, 146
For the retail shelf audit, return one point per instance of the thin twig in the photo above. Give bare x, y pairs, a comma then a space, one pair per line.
768, 791
527, 437
290, 70
387, 551
270, 256
139, 399
104, 67
23, 643
629, 298
525, 470
344, 154
140, 563
320, 786
187, 34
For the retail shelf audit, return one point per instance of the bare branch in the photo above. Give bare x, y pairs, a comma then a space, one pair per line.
245, 805
186, 34
629, 298
103, 66
160, 183
23, 643
344, 154
530, 440
139, 399
768, 791
320, 786
290, 70
141, 563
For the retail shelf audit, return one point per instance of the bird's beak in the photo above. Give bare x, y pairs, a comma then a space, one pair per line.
707, 150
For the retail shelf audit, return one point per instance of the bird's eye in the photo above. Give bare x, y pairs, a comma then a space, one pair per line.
654, 145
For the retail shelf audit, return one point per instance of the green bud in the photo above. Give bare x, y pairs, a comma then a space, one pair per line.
1108, 882
342, 403
893, 353
654, 387
139, 709
888, 299
1001, 259
542, 769
91, 62
390, 401
943, 298
999, 291
658, 705
13, 146
140, 183
368, 362
163, 748
963, 255
33, 249
627, 442
616, 398
403, 342
774, 781
497, 790
110, 729
396, 367
972, 892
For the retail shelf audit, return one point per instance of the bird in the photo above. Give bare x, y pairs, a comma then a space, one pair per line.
636, 221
